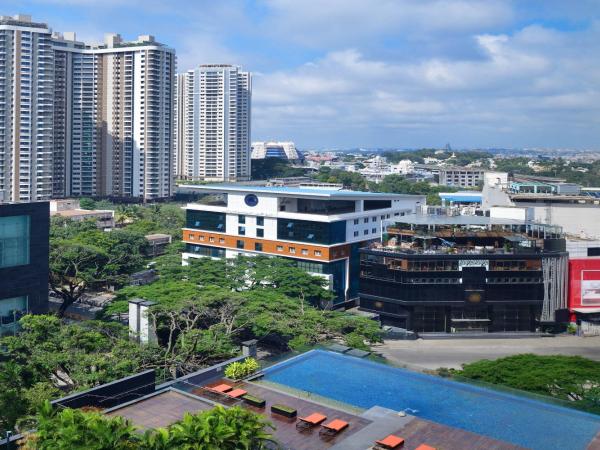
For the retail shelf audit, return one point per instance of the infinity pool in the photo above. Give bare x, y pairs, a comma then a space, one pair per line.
362, 383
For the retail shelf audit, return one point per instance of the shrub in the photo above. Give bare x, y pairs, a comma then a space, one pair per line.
241, 369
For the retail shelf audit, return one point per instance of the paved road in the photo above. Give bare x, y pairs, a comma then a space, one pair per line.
432, 354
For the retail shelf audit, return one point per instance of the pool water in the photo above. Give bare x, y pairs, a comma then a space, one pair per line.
519, 420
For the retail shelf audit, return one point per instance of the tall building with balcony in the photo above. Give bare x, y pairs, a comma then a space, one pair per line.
114, 117
321, 229
26, 109
451, 273
213, 123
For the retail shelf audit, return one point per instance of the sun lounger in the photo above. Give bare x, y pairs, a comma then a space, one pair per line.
310, 421
391, 442
220, 389
334, 427
236, 393
425, 447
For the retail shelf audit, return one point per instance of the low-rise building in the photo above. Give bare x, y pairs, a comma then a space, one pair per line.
105, 218
320, 229
157, 243
455, 273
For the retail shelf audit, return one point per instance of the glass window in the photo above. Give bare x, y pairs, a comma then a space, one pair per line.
355, 221
366, 220
280, 248
205, 220
374, 219
241, 219
258, 247
317, 252
355, 233
11, 310
292, 249
240, 243
14, 241
309, 231
304, 251
205, 251
373, 230
242, 231
211, 239
366, 232
260, 221
221, 241
260, 232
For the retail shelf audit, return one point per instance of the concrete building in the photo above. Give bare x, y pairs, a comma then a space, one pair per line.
320, 229
114, 118
283, 150
213, 123
26, 109
104, 218
24, 249
576, 210
462, 177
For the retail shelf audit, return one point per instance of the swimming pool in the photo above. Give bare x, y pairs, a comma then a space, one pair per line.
518, 420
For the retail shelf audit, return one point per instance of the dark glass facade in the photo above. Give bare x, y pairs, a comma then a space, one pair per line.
205, 220
338, 271
454, 293
24, 248
308, 231
205, 250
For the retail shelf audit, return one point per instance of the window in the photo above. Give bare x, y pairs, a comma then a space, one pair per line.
241, 219
355, 233
373, 230
355, 221
14, 241
205, 220
317, 252
211, 239
191, 237
280, 248
293, 250
260, 221
304, 251
366, 232
221, 240
11, 310
240, 244
309, 231
242, 231
374, 219
366, 220
258, 247
260, 232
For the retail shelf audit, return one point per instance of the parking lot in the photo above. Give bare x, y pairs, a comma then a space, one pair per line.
452, 353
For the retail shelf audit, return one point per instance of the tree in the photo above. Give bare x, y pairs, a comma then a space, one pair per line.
263, 169
87, 203
219, 428
86, 258
74, 429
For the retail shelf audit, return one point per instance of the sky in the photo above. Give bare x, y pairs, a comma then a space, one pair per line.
381, 73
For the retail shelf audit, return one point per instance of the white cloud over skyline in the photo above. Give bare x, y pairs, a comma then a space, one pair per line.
388, 73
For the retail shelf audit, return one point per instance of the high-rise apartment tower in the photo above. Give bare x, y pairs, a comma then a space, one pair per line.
213, 123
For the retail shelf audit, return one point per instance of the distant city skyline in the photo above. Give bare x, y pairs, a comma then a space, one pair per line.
349, 73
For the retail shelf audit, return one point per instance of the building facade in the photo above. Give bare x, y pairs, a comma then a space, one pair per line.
283, 150
26, 109
83, 120
453, 274
213, 123
24, 248
320, 229
115, 107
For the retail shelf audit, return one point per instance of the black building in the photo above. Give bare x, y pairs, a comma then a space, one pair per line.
460, 274
24, 247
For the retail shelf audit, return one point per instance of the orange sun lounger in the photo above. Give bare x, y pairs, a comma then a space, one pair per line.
236, 393
220, 389
310, 421
390, 442
425, 447
334, 427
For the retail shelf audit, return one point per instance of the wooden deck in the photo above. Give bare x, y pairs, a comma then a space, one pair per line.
161, 410
285, 429
420, 431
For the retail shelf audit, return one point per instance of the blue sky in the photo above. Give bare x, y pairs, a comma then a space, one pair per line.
381, 73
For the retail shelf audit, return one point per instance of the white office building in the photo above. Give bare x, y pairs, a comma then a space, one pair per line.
26, 109
213, 123
283, 150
